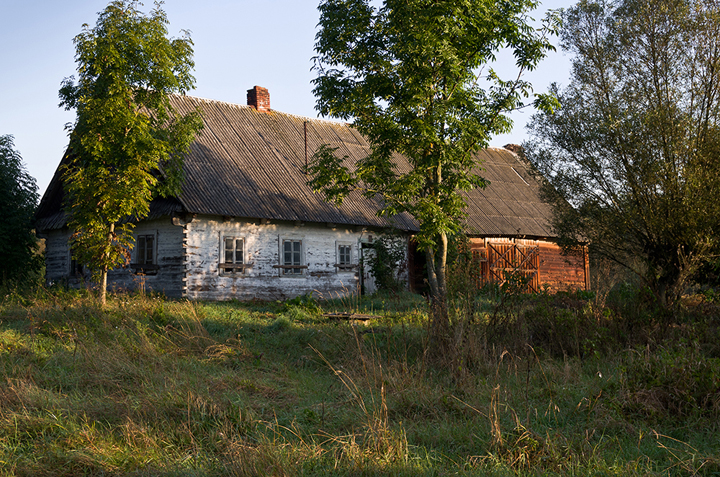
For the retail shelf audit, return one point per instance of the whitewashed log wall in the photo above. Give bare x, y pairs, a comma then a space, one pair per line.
168, 250
57, 256
189, 254
263, 280
169, 256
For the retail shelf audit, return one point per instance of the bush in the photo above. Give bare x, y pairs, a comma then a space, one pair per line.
673, 382
18, 197
387, 261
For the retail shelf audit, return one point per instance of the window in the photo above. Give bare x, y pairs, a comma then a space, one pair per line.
344, 258
145, 250
145, 259
233, 255
292, 257
76, 268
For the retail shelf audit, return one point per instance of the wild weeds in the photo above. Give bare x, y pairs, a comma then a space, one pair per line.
156, 387
368, 390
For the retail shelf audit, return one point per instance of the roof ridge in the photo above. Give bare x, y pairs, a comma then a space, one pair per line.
244, 106
499, 148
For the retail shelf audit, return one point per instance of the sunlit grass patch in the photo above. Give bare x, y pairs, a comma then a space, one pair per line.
149, 386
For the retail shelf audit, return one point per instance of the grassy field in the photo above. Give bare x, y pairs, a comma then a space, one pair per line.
532, 386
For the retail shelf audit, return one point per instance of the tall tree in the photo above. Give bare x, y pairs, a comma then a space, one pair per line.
635, 146
128, 143
18, 198
414, 77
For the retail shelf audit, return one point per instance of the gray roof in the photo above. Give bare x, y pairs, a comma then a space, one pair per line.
511, 205
249, 164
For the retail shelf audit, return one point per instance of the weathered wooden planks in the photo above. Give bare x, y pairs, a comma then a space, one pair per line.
555, 271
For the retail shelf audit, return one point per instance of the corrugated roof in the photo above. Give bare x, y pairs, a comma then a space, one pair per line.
510, 205
249, 164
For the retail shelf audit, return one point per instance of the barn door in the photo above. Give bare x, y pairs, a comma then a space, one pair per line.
510, 261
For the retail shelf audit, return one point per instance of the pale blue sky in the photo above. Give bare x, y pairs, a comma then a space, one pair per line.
238, 44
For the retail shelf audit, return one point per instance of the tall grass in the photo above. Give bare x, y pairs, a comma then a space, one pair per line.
147, 386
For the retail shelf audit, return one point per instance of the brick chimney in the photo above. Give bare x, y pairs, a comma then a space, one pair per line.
259, 98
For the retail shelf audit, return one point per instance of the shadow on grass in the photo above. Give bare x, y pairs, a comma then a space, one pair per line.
148, 386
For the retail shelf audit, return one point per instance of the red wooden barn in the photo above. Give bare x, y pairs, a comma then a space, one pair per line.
508, 226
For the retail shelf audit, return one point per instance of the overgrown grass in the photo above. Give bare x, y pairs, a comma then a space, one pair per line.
541, 385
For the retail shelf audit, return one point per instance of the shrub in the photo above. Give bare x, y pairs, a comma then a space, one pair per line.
387, 261
671, 382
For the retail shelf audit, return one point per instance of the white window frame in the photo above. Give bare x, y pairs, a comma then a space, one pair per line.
298, 270
235, 268
350, 266
146, 268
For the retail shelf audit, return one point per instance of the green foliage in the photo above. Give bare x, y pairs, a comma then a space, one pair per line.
635, 146
127, 144
413, 77
18, 198
463, 270
678, 382
386, 260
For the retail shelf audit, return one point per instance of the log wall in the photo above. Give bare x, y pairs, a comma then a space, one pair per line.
263, 279
556, 272
57, 256
169, 258
188, 258
167, 279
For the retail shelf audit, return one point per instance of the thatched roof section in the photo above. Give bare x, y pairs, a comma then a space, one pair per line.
249, 164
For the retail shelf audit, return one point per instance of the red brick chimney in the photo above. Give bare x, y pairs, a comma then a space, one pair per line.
259, 98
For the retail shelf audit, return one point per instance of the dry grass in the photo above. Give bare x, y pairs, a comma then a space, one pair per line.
153, 387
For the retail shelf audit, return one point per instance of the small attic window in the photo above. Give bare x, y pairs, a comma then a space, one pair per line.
521, 177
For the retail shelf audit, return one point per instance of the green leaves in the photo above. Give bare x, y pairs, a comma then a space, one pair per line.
407, 75
128, 142
18, 198
330, 176
635, 145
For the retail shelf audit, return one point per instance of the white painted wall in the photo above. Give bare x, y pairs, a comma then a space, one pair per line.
189, 254
263, 281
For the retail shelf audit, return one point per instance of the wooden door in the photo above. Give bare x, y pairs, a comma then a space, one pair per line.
510, 261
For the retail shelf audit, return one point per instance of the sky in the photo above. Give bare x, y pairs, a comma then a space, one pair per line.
238, 44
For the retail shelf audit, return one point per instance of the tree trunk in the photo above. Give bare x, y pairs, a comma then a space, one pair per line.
439, 315
104, 272
441, 267
103, 286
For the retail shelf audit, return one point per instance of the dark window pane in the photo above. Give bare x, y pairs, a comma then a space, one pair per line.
141, 249
344, 253
292, 255
149, 248
239, 251
229, 252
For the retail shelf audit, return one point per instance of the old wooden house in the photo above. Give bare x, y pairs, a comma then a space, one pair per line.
247, 226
